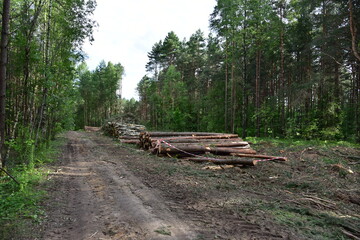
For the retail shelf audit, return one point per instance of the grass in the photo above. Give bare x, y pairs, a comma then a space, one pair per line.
163, 231
20, 203
313, 225
302, 142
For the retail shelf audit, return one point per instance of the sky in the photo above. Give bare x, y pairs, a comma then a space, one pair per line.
129, 28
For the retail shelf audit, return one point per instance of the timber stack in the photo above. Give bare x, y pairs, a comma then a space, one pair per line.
125, 132
194, 145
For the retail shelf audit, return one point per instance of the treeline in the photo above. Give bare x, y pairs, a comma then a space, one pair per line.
268, 68
99, 92
44, 45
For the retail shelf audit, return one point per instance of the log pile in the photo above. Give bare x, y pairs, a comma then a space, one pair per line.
194, 145
125, 132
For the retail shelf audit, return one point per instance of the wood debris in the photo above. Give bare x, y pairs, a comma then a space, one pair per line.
125, 132
196, 146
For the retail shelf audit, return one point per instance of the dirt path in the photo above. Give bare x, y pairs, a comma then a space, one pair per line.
104, 190
94, 196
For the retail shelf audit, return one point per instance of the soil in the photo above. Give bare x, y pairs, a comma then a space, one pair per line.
101, 189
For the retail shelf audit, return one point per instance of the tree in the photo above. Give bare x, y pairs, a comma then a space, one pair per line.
279, 68
44, 47
3, 63
99, 90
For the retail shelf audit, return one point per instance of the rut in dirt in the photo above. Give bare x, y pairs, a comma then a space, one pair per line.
94, 196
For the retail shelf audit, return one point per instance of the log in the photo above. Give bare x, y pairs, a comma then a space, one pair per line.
204, 144
248, 162
214, 150
173, 134
130, 141
259, 156
119, 129
148, 141
129, 137
92, 129
202, 140
224, 136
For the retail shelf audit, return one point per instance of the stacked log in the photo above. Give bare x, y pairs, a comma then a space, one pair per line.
125, 132
194, 145
149, 140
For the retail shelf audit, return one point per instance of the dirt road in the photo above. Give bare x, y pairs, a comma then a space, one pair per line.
96, 197
101, 189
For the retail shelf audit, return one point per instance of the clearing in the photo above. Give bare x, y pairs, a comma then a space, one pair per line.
101, 189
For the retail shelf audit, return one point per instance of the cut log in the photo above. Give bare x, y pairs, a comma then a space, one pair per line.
92, 129
148, 139
129, 137
203, 140
224, 136
130, 141
259, 156
119, 129
214, 150
248, 162
174, 134
204, 144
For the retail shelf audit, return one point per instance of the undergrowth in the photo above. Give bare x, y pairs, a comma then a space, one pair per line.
302, 142
20, 203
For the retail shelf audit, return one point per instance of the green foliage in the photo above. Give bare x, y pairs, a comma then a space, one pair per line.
269, 68
20, 204
99, 93
44, 48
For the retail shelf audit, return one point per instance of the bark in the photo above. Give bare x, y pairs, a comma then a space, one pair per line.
244, 97
226, 89
189, 134
225, 136
205, 144
259, 156
130, 141
257, 92
233, 91
202, 149
353, 31
209, 141
43, 106
3, 63
282, 70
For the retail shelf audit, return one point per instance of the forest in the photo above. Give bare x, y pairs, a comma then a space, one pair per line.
41, 45
283, 75
287, 69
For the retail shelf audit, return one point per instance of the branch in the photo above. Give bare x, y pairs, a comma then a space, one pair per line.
9, 175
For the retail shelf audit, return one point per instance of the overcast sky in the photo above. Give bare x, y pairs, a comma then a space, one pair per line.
128, 29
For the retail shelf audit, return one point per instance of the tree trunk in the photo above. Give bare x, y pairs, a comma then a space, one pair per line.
3, 63
43, 106
353, 31
244, 94
233, 90
226, 89
257, 91
282, 71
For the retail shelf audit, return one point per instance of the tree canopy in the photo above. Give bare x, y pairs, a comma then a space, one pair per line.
268, 68
44, 45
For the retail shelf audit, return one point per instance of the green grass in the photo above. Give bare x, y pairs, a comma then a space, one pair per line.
300, 142
309, 223
20, 203
163, 231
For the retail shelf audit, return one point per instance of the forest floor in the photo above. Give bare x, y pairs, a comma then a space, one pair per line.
101, 189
